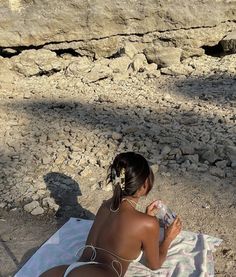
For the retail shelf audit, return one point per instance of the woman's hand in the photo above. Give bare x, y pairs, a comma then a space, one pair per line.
174, 229
152, 208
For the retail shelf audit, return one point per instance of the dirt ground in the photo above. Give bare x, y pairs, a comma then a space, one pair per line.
205, 203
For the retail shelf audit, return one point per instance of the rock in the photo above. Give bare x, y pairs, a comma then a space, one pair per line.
80, 66
116, 136
155, 168
31, 206
231, 153
163, 57
150, 67
130, 50
206, 206
151, 71
50, 203
210, 156
98, 72
188, 149
2, 205
176, 70
130, 129
221, 164
37, 211
215, 171
9, 51
192, 158
36, 62
229, 42
165, 150
120, 64
186, 164
202, 168
139, 63
191, 52
173, 166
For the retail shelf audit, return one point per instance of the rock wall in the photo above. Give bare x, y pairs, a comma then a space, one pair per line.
36, 23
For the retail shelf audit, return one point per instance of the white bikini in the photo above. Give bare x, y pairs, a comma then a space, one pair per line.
78, 264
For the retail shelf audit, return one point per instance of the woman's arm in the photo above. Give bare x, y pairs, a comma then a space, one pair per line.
155, 255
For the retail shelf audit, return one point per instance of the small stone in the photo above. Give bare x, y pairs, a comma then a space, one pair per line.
221, 164
3, 204
202, 168
233, 165
130, 50
173, 166
165, 150
9, 51
186, 164
116, 136
130, 129
50, 203
166, 174
188, 149
206, 206
37, 211
31, 206
120, 65
215, 171
192, 158
139, 63
151, 67
210, 156
155, 168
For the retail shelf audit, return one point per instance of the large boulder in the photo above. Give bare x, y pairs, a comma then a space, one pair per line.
37, 62
74, 20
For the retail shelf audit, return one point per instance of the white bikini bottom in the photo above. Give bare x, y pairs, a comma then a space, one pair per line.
77, 264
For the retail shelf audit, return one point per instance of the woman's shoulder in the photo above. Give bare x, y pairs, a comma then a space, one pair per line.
147, 221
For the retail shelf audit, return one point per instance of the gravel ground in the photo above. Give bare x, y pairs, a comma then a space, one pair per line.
59, 133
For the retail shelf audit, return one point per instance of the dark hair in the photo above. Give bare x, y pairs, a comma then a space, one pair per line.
137, 171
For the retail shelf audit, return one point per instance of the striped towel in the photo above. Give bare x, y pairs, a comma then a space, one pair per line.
190, 254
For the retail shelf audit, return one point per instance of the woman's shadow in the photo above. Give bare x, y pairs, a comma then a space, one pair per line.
64, 191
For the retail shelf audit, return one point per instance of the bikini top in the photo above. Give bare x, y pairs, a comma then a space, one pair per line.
93, 257
113, 254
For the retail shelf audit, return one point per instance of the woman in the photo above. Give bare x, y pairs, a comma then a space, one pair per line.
120, 234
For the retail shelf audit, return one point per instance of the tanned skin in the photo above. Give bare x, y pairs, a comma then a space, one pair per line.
125, 232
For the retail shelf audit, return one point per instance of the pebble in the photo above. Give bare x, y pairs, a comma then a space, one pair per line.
31, 206
37, 211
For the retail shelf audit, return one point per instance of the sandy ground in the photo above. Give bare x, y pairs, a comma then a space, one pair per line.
205, 203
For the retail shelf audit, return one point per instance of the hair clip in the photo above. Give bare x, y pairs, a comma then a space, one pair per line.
118, 180
122, 178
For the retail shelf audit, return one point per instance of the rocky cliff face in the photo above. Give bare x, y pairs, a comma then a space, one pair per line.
101, 27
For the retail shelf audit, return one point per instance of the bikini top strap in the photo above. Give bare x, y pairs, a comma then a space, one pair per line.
82, 248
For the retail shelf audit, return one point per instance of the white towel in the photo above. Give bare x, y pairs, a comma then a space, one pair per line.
190, 254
